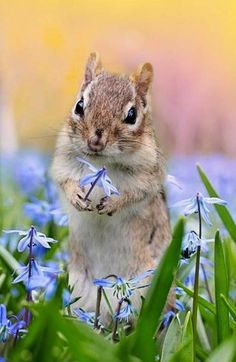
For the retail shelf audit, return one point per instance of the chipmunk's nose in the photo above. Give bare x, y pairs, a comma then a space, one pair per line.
96, 143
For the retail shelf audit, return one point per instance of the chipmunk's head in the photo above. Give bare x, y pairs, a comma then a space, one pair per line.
110, 115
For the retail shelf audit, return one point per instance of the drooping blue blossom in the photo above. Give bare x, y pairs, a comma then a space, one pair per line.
168, 316
99, 178
86, 317
123, 288
191, 205
7, 327
126, 311
40, 275
190, 243
37, 238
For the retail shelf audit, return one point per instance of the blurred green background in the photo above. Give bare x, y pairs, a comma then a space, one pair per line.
191, 44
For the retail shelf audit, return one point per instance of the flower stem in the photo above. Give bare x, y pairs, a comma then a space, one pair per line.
94, 183
196, 282
206, 283
117, 319
98, 305
27, 315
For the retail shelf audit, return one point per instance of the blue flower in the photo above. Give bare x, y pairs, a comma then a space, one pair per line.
191, 205
168, 316
8, 328
40, 275
31, 174
37, 238
86, 317
99, 178
125, 312
190, 243
60, 218
39, 211
123, 288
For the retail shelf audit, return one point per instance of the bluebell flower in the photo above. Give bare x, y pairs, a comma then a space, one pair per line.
60, 218
98, 177
122, 288
168, 316
31, 174
191, 205
39, 211
31, 234
190, 243
7, 327
40, 275
125, 312
86, 317
179, 291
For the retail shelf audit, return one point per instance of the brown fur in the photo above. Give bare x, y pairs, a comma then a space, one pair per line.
133, 239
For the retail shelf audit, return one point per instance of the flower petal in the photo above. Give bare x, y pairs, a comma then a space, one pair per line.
215, 200
3, 315
90, 166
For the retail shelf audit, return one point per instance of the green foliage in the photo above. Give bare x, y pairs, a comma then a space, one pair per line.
53, 336
222, 211
143, 341
221, 287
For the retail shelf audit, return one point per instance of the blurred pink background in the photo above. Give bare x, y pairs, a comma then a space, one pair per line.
191, 44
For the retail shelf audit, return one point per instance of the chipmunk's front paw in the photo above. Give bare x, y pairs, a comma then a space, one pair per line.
79, 203
107, 206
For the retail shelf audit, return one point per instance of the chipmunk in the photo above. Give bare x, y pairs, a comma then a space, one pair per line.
111, 125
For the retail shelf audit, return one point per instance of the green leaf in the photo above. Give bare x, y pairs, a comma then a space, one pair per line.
50, 334
8, 258
221, 287
143, 339
222, 211
184, 348
172, 340
230, 306
202, 301
225, 352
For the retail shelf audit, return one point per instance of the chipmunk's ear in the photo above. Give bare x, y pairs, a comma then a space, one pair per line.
143, 78
93, 67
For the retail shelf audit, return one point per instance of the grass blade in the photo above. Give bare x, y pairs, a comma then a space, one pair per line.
143, 341
8, 258
221, 287
230, 306
222, 211
225, 352
202, 301
172, 340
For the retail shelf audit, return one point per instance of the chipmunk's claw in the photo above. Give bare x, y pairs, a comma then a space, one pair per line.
78, 201
106, 206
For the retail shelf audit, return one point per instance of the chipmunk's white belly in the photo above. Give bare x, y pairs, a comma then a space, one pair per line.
102, 240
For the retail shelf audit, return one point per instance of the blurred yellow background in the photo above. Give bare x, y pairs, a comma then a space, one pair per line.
192, 45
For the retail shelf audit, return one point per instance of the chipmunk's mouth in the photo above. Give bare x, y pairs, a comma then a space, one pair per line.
93, 154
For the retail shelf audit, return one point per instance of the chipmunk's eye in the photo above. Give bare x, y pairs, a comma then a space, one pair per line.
131, 116
79, 108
